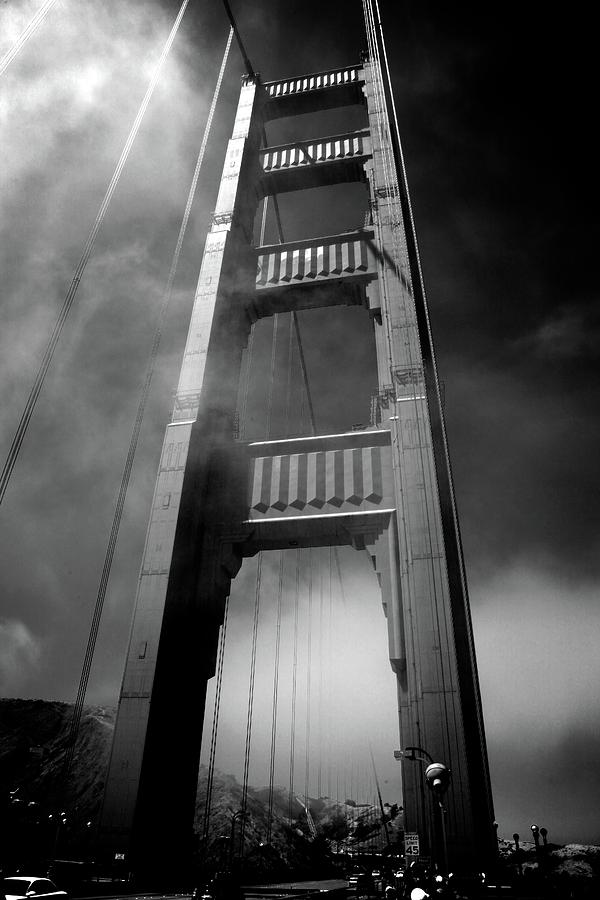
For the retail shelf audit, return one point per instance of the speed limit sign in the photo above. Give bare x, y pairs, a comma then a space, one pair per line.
411, 843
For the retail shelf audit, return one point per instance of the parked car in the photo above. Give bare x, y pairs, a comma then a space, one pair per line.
24, 887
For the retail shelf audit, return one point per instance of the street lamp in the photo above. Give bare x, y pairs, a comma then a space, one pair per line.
438, 777
236, 815
536, 839
414, 754
540, 852
518, 853
411, 753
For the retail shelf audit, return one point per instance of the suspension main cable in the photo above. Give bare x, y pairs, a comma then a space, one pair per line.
247, 62
25, 35
133, 442
89, 246
393, 162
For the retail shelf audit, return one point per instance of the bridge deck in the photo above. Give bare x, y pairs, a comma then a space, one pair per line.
332, 887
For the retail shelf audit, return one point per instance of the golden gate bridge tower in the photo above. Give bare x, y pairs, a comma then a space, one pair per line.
219, 500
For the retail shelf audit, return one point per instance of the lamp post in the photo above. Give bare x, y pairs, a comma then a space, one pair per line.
536, 839
437, 776
541, 852
414, 754
236, 815
60, 823
518, 853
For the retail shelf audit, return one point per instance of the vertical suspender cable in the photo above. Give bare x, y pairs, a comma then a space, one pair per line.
383, 819
244, 803
295, 321
87, 251
215, 726
311, 411
308, 687
247, 371
294, 687
330, 691
279, 611
263, 221
272, 378
275, 700
320, 708
110, 550
308, 398
279, 602
288, 387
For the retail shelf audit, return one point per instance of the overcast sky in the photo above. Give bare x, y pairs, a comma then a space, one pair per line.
496, 109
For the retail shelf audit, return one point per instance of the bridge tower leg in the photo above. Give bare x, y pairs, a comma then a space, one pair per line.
218, 500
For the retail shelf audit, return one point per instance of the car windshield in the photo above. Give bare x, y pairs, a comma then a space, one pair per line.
16, 885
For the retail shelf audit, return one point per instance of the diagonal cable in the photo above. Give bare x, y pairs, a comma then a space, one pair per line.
106, 569
87, 251
25, 35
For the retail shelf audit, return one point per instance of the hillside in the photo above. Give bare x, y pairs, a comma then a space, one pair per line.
33, 743
33, 737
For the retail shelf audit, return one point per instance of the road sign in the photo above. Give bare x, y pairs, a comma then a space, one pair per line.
411, 843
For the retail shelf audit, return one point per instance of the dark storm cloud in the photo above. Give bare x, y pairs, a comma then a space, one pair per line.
535, 633
68, 102
504, 232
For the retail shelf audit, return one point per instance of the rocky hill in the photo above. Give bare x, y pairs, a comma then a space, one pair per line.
33, 745
39, 818
51, 821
